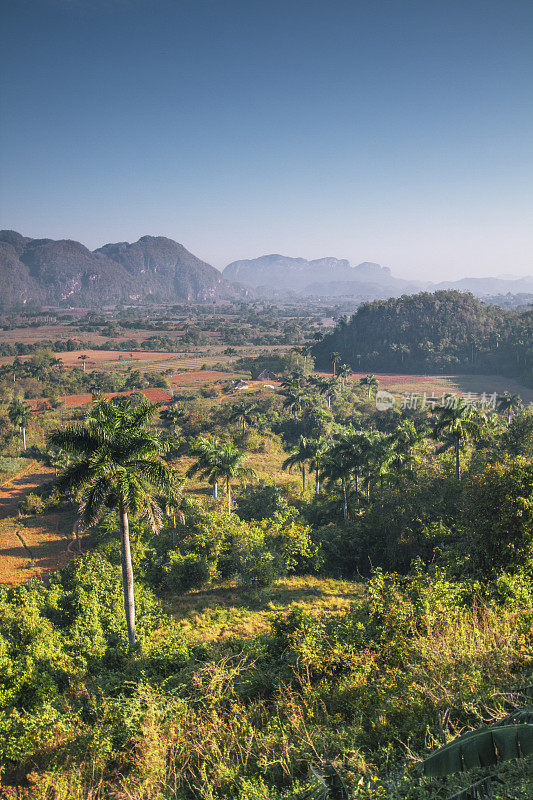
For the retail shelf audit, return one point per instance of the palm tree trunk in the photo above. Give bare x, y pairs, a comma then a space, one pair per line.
127, 576
215, 489
243, 427
228, 489
317, 480
345, 501
329, 401
174, 533
24, 437
303, 479
457, 460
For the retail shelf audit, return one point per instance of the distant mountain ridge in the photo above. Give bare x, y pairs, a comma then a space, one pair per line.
65, 272
284, 273
334, 277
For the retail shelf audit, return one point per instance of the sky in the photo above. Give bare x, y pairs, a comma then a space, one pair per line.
394, 131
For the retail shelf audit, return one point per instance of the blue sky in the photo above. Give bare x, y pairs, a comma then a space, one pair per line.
397, 131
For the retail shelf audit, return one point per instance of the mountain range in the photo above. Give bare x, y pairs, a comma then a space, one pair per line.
65, 272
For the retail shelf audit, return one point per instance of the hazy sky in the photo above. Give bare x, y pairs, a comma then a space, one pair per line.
397, 131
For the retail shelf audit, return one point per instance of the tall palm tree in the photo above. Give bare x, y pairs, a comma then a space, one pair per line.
19, 413
509, 403
405, 440
118, 464
381, 457
370, 382
325, 386
318, 448
301, 456
344, 372
353, 448
173, 509
329, 387
246, 413
335, 358
456, 423
337, 466
306, 350
231, 465
83, 358
206, 451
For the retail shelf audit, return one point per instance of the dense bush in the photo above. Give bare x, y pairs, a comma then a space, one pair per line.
185, 572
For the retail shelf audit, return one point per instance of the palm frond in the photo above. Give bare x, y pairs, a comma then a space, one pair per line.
94, 502
73, 476
75, 439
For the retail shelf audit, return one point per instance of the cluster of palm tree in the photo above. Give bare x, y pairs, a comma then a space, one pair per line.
19, 414
357, 459
297, 389
219, 462
360, 460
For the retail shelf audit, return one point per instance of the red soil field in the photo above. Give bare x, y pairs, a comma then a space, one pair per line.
73, 400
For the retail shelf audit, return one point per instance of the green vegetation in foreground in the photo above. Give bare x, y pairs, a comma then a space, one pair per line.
348, 625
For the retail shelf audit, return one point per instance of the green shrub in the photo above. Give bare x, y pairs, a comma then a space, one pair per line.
185, 572
258, 567
259, 502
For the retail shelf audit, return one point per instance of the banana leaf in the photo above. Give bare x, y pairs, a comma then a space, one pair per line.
523, 716
481, 749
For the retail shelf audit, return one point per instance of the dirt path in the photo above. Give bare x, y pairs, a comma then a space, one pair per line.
30, 546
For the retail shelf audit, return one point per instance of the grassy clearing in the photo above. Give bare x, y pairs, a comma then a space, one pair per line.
227, 611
